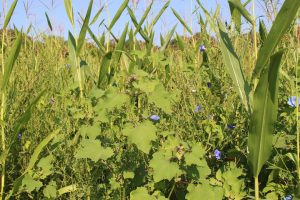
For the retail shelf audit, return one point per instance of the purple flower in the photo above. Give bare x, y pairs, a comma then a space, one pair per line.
217, 154
198, 109
202, 48
288, 197
230, 126
155, 118
292, 101
209, 84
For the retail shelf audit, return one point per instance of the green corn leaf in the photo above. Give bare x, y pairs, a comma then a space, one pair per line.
100, 46
95, 18
9, 14
29, 28
10, 61
67, 189
234, 67
120, 46
168, 39
262, 31
84, 28
236, 17
150, 44
72, 49
240, 7
161, 38
69, 9
182, 21
180, 42
134, 21
112, 34
281, 24
118, 14
265, 106
48, 21
161, 11
37, 151
104, 68
143, 18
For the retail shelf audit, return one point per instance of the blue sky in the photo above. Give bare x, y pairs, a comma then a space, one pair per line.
55, 8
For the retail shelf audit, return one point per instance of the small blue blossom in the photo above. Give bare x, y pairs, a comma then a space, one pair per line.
198, 109
217, 154
292, 101
19, 136
288, 197
202, 48
230, 126
155, 118
209, 84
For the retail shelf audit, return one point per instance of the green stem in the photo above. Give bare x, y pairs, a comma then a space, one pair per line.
79, 76
254, 28
169, 196
256, 188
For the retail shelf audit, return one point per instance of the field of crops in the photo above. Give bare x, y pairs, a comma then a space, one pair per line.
211, 116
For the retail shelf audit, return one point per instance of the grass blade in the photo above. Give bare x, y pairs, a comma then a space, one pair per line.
69, 9
9, 14
262, 31
118, 14
235, 16
281, 24
84, 28
72, 49
168, 39
100, 46
161, 11
182, 21
134, 21
95, 18
48, 21
10, 61
180, 42
264, 116
120, 46
143, 18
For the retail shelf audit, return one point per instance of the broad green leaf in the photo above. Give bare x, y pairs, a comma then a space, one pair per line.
9, 14
48, 21
141, 135
84, 28
141, 193
30, 184
168, 39
72, 50
37, 151
262, 31
69, 9
161, 11
240, 7
50, 190
234, 67
182, 21
90, 131
143, 18
104, 69
67, 189
118, 14
195, 157
96, 16
45, 165
163, 168
281, 24
10, 61
204, 190
265, 106
93, 150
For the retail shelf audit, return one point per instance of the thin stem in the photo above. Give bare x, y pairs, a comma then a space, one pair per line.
256, 188
79, 76
169, 196
254, 28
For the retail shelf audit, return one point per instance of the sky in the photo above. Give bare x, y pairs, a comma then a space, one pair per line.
33, 12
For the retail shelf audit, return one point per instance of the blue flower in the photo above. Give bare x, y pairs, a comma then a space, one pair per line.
217, 154
292, 101
19, 136
209, 84
155, 118
288, 197
230, 126
202, 48
198, 109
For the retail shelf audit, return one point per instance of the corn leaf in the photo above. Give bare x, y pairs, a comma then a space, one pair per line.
48, 21
262, 31
9, 14
10, 61
240, 7
95, 18
69, 9
167, 39
143, 18
280, 26
182, 21
265, 106
161, 11
118, 14
104, 68
84, 28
